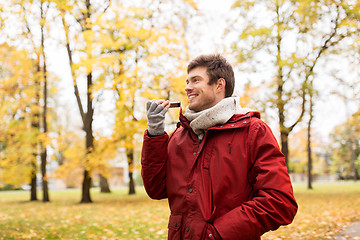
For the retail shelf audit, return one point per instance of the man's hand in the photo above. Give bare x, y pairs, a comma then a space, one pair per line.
155, 111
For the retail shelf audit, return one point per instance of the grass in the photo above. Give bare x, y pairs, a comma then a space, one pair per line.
322, 212
111, 216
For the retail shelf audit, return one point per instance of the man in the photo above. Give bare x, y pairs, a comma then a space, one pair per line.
222, 171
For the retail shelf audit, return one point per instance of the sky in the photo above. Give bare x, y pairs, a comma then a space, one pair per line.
331, 110
211, 37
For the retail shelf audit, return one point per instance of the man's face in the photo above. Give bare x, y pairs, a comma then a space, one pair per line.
201, 95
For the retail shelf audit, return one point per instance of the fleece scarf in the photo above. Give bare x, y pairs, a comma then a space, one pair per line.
218, 114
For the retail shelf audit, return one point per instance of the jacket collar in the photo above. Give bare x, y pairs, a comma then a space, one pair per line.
234, 122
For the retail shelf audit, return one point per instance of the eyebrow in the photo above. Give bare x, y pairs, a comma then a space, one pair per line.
187, 79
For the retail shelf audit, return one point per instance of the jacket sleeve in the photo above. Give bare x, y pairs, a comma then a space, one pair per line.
272, 203
153, 165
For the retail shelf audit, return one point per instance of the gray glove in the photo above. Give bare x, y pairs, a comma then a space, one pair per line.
156, 118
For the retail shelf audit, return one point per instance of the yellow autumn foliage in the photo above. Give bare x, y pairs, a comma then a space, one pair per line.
18, 140
134, 52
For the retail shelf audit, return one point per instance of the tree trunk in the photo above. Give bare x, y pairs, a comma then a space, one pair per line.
87, 121
130, 157
86, 185
33, 189
310, 161
353, 159
104, 185
131, 184
45, 188
285, 146
45, 130
35, 124
309, 171
85, 196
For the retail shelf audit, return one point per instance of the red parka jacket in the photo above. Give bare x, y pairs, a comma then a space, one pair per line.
233, 184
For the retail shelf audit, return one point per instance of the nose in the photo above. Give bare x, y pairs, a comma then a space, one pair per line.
188, 87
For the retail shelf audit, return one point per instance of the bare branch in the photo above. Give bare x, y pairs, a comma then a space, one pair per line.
327, 43
106, 8
76, 89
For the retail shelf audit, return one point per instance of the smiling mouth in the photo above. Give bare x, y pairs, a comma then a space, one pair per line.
190, 97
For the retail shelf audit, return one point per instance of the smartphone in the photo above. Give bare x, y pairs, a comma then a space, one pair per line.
174, 104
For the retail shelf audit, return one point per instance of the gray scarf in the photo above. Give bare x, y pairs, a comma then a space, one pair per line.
218, 114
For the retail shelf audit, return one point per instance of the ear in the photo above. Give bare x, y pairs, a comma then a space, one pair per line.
221, 83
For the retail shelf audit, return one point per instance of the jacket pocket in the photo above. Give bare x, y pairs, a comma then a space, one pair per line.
174, 226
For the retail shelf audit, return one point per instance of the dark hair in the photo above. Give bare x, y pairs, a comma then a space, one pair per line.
217, 67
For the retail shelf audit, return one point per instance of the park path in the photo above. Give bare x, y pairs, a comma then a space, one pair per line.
351, 232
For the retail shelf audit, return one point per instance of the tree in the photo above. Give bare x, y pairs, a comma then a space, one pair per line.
309, 150
43, 70
122, 46
299, 154
345, 144
28, 17
141, 40
79, 21
346, 148
40, 119
285, 40
17, 136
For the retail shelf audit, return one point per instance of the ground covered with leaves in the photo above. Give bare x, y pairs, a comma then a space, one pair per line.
322, 213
